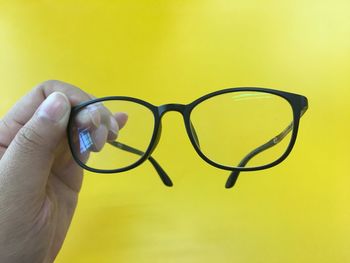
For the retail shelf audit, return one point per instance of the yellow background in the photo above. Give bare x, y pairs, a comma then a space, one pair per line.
176, 51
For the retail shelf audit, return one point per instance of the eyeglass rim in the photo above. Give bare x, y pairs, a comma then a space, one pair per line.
77, 108
297, 102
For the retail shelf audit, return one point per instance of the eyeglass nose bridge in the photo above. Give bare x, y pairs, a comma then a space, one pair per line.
171, 107
184, 110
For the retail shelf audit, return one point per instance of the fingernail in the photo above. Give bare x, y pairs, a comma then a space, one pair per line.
121, 118
114, 126
54, 107
99, 137
94, 115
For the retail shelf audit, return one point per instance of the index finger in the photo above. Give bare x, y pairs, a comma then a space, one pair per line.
24, 109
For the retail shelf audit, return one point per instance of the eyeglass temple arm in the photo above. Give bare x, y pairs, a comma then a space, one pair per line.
277, 139
162, 174
234, 175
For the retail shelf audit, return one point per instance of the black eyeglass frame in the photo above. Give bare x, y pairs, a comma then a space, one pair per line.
298, 103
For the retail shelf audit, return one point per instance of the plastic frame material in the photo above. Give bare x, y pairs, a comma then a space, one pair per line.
298, 103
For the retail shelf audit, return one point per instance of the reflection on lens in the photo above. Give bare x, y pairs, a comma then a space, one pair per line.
102, 133
85, 140
243, 129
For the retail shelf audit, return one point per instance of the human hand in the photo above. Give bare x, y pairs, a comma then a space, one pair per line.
39, 180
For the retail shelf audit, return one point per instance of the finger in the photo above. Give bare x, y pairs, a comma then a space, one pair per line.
113, 130
88, 120
90, 132
92, 116
99, 137
121, 118
26, 164
117, 122
24, 109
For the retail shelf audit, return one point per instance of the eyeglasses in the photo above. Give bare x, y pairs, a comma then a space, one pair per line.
235, 129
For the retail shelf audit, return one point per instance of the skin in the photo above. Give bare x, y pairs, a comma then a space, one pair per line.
39, 180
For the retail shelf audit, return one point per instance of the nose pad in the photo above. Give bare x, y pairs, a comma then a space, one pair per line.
162, 174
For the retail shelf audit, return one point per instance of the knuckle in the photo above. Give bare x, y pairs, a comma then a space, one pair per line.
4, 124
28, 139
74, 93
4, 132
50, 84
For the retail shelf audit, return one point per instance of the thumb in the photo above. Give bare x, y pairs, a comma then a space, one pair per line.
27, 161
